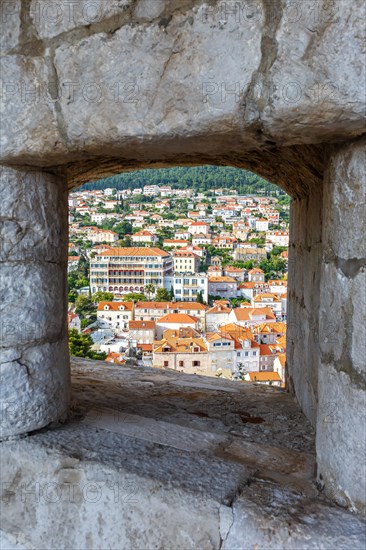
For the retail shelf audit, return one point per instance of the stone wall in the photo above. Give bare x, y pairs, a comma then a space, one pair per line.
341, 421
303, 316
277, 88
34, 359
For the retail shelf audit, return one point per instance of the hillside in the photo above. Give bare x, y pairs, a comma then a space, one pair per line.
200, 178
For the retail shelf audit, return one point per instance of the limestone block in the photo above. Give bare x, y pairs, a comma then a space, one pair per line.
312, 89
10, 24
34, 387
34, 364
32, 302
146, 10
345, 204
53, 18
269, 516
28, 117
33, 210
341, 438
149, 81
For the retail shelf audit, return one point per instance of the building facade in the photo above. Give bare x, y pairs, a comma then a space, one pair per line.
124, 270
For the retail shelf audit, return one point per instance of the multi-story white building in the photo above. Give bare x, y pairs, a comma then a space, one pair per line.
186, 286
116, 314
102, 236
278, 238
185, 261
268, 300
197, 228
123, 270
144, 237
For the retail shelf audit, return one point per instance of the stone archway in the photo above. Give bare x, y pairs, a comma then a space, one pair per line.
149, 84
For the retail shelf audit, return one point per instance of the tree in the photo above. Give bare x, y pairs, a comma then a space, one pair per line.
123, 228
80, 345
149, 289
135, 297
162, 295
199, 297
102, 296
171, 293
84, 305
72, 296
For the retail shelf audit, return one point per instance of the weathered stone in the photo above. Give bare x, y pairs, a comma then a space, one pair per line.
146, 489
146, 10
167, 87
53, 18
341, 438
34, 387
189, 82
341, 423
315, 61
303, 293
34, 362
345, 207
30, 230
10, 23
27, 109
269, 516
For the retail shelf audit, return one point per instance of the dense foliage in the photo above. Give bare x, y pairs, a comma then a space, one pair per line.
200, 178
80, 345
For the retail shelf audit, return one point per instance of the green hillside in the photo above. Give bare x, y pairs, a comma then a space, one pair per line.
200, 178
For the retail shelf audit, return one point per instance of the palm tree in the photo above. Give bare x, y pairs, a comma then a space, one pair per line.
149, 289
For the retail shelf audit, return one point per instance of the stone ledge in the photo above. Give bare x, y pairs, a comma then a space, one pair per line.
155, 459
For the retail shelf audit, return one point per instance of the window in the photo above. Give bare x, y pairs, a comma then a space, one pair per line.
181, 363
196, 363
166, 363
246, 353
238, 353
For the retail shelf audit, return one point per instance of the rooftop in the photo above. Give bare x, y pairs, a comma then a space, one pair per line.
134, 251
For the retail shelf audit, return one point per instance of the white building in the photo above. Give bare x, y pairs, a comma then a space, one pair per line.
197, 228
116, 314
186, 286
176, 321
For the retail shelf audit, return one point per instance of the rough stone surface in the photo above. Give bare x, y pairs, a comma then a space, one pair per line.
341, 424
181, 82
317, 63
278, 89
10, 22
305, 251
33, 258
53, 18
134, 479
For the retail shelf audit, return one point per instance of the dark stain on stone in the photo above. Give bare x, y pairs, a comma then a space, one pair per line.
247, 418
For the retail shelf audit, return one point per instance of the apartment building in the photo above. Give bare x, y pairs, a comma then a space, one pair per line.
144, 237
246, 253
102, 236
153, 311
116, 314
185, 261
186, 286
226, 287
184, 354
123, 270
